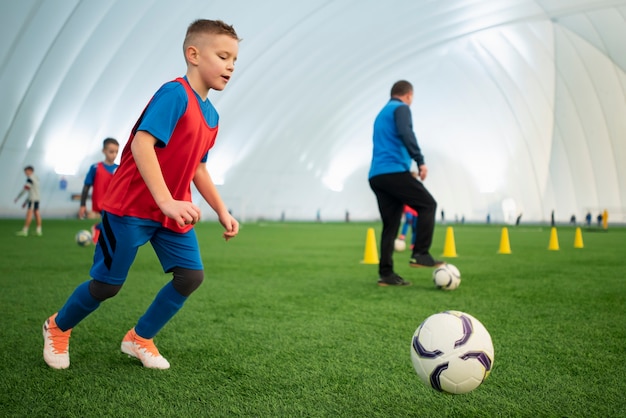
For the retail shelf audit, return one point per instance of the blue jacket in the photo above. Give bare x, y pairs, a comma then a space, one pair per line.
395, 144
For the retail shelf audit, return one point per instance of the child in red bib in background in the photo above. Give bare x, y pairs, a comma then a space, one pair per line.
98, 179
410, 219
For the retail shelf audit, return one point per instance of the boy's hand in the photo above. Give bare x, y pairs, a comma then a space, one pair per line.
231, 225
183, 212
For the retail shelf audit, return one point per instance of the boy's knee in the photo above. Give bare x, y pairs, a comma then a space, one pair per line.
102, 291
186, 281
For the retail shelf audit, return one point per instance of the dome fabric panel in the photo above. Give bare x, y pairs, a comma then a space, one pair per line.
518, 104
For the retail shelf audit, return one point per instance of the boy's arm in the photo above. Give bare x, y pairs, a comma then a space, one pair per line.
25, 189
203, 182
183, 212
82, 211
21, 193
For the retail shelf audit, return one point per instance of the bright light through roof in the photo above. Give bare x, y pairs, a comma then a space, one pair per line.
345, 162
66, 155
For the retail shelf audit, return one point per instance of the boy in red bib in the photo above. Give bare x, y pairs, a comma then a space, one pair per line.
98, 179
149, 199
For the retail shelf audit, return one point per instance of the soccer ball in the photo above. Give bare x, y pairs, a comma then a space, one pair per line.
447, 277
83, 238
399, 245
452, 352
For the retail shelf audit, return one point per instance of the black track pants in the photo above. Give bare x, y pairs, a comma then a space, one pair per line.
393, 191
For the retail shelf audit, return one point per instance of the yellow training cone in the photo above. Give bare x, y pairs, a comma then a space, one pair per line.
371, 252
449, 248
554, 240
578, 239
505, 245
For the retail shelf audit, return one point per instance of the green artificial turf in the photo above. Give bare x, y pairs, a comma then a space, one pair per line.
290, 323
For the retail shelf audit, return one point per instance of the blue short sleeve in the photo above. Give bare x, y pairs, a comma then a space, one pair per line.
91, 175
163, 112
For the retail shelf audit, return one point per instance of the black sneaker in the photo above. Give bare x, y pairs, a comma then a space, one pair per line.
425, 260
393, 280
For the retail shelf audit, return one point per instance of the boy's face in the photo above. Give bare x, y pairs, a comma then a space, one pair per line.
216, 56
110, 152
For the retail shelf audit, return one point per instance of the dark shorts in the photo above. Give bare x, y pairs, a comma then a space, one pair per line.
32, 204
121, 237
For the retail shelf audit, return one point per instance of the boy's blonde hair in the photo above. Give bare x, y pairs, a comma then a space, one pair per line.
207, 27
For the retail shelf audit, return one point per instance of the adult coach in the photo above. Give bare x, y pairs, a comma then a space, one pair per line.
395, 147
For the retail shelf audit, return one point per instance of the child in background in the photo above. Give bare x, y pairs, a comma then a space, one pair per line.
31, 188
149, 199
410, 219
98, 178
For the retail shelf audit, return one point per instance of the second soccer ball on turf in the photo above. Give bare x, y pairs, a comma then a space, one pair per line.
452, 352
399, 245
83, 238
447, 277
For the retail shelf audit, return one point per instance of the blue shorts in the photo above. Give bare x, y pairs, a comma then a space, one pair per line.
121, 237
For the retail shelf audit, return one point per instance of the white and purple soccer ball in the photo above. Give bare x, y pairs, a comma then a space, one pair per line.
452, 352
447, 277
83, 238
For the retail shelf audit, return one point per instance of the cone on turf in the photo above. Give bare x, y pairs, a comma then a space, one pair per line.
553, 245
371, 252
578, 238
449, 247
505, 244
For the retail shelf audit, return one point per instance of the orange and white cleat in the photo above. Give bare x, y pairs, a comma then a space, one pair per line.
56, 344
144, 350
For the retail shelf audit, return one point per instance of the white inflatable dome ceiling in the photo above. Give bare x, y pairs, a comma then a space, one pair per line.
520, 105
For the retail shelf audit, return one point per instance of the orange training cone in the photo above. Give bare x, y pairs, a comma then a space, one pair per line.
371, 252
449, 247
505, 244
554, 240
578, 238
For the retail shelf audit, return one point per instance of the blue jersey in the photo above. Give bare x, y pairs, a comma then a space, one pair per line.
165, 109
91, 174
183, 135
395, 145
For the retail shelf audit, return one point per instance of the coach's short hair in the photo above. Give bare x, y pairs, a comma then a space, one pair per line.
400, 88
